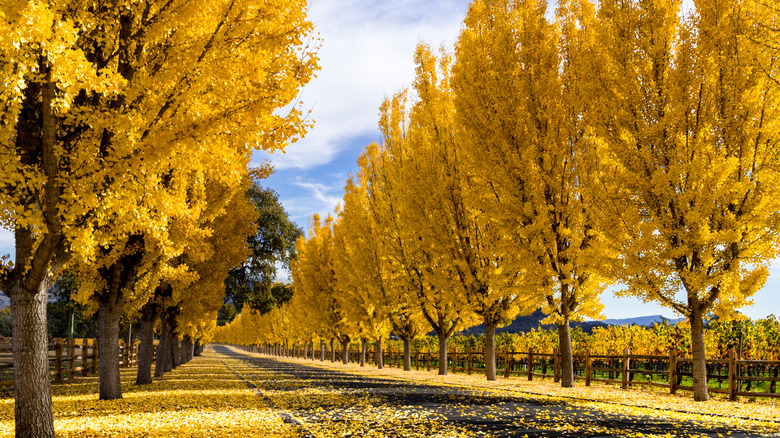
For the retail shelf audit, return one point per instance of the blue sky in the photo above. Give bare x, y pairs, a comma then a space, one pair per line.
367, 54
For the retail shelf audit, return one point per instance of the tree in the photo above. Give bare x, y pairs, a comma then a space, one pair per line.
396, 188
82, 129
465, 241
370, 293
314, 278
687, 116
521, 108
273, 246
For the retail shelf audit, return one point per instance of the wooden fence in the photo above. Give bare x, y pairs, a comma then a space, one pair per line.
730, 376
70, 359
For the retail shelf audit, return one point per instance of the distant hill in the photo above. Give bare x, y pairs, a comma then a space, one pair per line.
524, 324
4, 301
646, 321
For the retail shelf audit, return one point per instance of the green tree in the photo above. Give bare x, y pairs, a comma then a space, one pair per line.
255, 283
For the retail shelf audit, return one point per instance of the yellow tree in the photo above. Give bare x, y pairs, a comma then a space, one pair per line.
521, 110
315, 277
369, 289
81, 124
393, 192
466, 243
688, 117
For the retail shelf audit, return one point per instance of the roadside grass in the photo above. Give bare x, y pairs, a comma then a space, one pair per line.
199, 399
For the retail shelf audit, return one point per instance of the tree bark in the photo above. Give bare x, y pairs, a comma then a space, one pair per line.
171, 349
176, 350
32, 390
108, 353
363, 346
198, 348
443, 341
700, 391
407, 354
567, 363
162, 349
380, 359
345, 350
149, 315
322, 350
39, 257
185, 347
332, 350
490, 350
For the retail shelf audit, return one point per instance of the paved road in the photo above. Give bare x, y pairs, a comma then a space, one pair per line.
324, 402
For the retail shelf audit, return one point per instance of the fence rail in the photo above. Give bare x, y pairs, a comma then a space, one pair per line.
742, 378
68, 359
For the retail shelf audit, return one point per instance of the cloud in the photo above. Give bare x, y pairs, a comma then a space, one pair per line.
303, 196
367, 54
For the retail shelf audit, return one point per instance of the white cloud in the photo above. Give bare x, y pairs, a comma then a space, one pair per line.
367, 54
312, 197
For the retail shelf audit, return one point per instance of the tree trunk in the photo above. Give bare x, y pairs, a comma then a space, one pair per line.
332, 350
32, 390
567, 363
407, 354
162, 349
170, 351
108, 353
322, 350
176, 350
345, 351
490, 351
198, 348
700, 391
146, 351
39, 258
380, 359
363, 346
184, 349
443, 341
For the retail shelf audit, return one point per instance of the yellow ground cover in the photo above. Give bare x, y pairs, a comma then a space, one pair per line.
759, 416
199, 399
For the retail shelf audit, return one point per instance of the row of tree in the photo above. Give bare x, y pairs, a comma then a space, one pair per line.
621, 142
126, 135
750, 339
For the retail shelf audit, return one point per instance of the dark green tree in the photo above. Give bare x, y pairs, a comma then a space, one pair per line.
62, 311
255, 283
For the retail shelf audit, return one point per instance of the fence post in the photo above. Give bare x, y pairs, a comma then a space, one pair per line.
624, 376
95, 355
557, 366
58, 354
84, 357
470, 359
673, 372
429, 359
71, 359
507, 363
732, 375
530, 364
588, 367
417, 359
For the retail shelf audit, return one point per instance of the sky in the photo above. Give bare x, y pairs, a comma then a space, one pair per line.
367, 55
